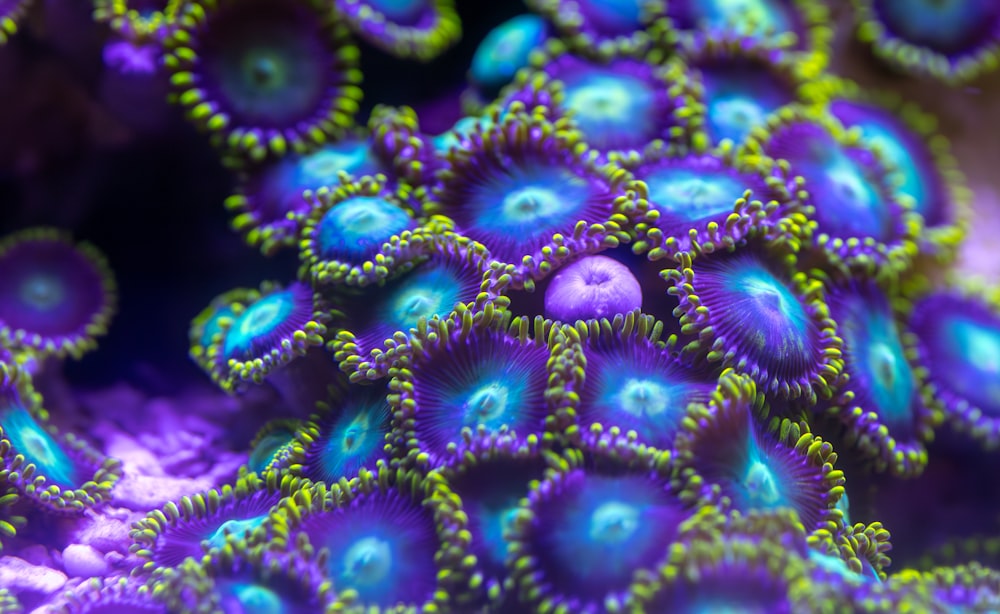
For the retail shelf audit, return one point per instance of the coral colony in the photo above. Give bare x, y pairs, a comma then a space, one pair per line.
667, 320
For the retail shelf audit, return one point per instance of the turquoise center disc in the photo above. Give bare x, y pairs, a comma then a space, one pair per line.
425, 293
235, 526
260, 319
505, 50
358, 226
29, 439
756, 16
367, 563
876, 358
609, 106
944, 25
693, 195
971, 351
42, 292
613, 16
250, 598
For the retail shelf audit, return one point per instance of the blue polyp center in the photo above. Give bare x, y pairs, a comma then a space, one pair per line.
734, 116
489, 404
693, 195
355, 439
613, 16
969, 352
607, 530
234, 526
873, 346
268, 75
848, 203
250, 598
772, 318
323, 167
497, 525
42, 292
265, 70
644, 398
614, 523
612, 109
944, 25
425, 293
505, 50
530, 203
739, 98
358, 226
29, 439
402, 12
259, 320
907, 174
757, 16
760, 486
525, 204
367, 565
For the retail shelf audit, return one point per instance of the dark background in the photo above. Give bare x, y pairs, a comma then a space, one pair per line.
102, 154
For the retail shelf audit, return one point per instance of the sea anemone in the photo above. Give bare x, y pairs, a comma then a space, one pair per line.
956, 336
799, 25
348, 434
731, 453
272, 444
272, 199
469, 373
602, 27
518, 185
631, 380
622, 101
750, 310
950, 41
56, 297
264, 76
700, 198
880, 400
245, 578
397, 140
419, 29
502, 52
441, 272
594, 521
741, 82
732, 572
197, 525
388, 540
492, 473
860, 222
206, 326
924, 167
346, 228
11, 14
276, 326
61, 472
138, 21
850, 554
